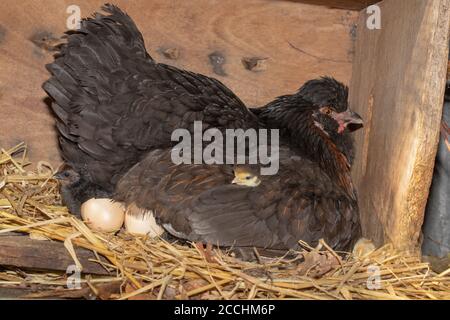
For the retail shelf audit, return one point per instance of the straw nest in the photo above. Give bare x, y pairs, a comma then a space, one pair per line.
142, 268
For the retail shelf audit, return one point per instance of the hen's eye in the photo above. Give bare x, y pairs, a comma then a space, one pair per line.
328, 111
247, 178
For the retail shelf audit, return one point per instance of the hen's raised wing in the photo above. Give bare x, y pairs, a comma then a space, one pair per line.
114, 102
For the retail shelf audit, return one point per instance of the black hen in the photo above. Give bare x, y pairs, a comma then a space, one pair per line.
310, 198
115, 103
117, 108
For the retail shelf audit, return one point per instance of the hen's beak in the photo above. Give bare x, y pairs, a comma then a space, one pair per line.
349, 120
235, 180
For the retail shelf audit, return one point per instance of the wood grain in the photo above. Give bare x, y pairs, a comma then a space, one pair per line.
297, 42
22, 252
398, 86
34, 291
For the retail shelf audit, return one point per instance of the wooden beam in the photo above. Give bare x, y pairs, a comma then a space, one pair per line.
341, 4
103, 291
398, 88
22, 252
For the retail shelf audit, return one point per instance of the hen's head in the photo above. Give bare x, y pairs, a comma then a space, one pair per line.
317, 111
318, 122
328, 100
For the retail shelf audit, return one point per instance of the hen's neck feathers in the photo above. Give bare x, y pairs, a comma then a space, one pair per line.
293, 117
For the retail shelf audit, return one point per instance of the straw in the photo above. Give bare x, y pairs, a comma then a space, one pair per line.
155, 268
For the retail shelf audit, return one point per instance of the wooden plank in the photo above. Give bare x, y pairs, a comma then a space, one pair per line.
22, 252
398, 88
13, 292
34, 291
341, 4
299, 41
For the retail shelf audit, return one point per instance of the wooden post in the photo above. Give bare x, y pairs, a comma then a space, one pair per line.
398, 87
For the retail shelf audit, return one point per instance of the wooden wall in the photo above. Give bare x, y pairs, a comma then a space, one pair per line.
297, 41
398, 83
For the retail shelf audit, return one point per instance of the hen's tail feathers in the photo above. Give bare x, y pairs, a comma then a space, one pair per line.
118, 28
90, 66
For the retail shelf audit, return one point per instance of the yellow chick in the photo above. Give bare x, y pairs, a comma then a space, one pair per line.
244, 177
363, 247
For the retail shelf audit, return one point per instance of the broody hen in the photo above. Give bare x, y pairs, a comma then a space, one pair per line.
311, 197
117, 109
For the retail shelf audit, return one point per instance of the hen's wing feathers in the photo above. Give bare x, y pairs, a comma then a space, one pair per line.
227, 215
199, 203
115, 103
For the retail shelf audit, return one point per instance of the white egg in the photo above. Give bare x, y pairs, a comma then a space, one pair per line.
141, 222
103, 214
